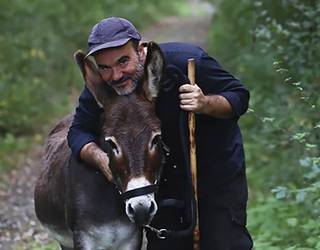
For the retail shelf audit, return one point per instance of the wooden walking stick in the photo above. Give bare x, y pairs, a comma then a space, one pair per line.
193, 159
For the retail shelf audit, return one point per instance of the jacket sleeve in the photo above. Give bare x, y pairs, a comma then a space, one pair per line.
213, 79
85, 124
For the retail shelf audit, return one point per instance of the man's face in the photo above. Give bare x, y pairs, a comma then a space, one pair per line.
121, 67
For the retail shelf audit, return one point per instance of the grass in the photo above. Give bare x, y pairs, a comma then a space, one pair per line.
51, 245
13, 149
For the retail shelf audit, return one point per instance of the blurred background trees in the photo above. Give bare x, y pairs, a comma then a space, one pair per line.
272, 46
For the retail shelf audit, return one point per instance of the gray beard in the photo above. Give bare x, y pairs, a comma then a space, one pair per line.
135, 81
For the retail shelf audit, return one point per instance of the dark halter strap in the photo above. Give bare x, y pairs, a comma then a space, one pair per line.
140, 191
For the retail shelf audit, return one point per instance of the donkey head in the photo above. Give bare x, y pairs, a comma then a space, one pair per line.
130, 133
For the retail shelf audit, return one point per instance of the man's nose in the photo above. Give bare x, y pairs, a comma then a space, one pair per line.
117, 74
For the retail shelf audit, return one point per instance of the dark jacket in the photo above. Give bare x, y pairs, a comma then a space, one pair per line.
219, 142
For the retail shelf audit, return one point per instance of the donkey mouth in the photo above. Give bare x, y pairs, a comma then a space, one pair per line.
142, 217
141, 213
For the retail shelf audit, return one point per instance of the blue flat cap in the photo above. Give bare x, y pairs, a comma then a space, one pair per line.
111, 32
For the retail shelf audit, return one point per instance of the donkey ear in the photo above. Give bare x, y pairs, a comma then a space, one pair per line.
154, 67
91, 76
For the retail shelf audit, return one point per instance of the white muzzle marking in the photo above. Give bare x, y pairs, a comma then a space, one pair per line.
144, 201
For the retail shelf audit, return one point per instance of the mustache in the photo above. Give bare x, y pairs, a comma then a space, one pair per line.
135, 78
121, 80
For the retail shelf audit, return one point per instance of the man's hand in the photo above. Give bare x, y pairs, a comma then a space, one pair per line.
192, 99
95, 156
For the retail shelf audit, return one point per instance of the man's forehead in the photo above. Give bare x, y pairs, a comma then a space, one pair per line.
114, 54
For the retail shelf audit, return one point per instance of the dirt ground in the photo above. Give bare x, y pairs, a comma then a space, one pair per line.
19, 228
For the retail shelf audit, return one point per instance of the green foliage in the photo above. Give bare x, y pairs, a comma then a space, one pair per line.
13, 149
283, 225
274, 46
293, 27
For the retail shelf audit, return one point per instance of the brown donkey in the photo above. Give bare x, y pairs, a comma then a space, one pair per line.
76, 202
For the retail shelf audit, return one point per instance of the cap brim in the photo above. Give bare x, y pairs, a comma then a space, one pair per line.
108, 45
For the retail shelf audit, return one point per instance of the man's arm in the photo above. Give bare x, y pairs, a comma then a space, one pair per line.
193, 99
217, 94
82, 135
92, 154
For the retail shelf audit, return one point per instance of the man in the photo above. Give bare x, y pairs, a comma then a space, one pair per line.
218, 99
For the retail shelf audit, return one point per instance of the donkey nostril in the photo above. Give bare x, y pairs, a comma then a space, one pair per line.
130, 209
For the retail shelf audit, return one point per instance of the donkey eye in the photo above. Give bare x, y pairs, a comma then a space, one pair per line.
112, 146
155, 141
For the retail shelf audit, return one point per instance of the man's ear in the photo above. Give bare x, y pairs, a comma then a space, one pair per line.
142, 51
154, 66
91, 76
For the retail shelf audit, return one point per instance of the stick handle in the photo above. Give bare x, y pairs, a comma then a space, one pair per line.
193, 158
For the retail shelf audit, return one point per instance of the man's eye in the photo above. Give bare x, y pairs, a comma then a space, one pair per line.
103, 68
124, 62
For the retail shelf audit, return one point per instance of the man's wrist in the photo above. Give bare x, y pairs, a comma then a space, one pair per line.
216, 106
92, 154
204, 106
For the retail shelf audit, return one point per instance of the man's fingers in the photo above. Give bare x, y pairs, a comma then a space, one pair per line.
188, 91
188, 107
187, 88
191, 98
187, 96
187, 101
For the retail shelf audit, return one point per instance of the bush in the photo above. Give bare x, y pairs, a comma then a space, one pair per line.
274, 47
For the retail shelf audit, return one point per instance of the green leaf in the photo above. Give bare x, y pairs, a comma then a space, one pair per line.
308, 145
300, 136
268, 119
301, 195
292, 222
280, 192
